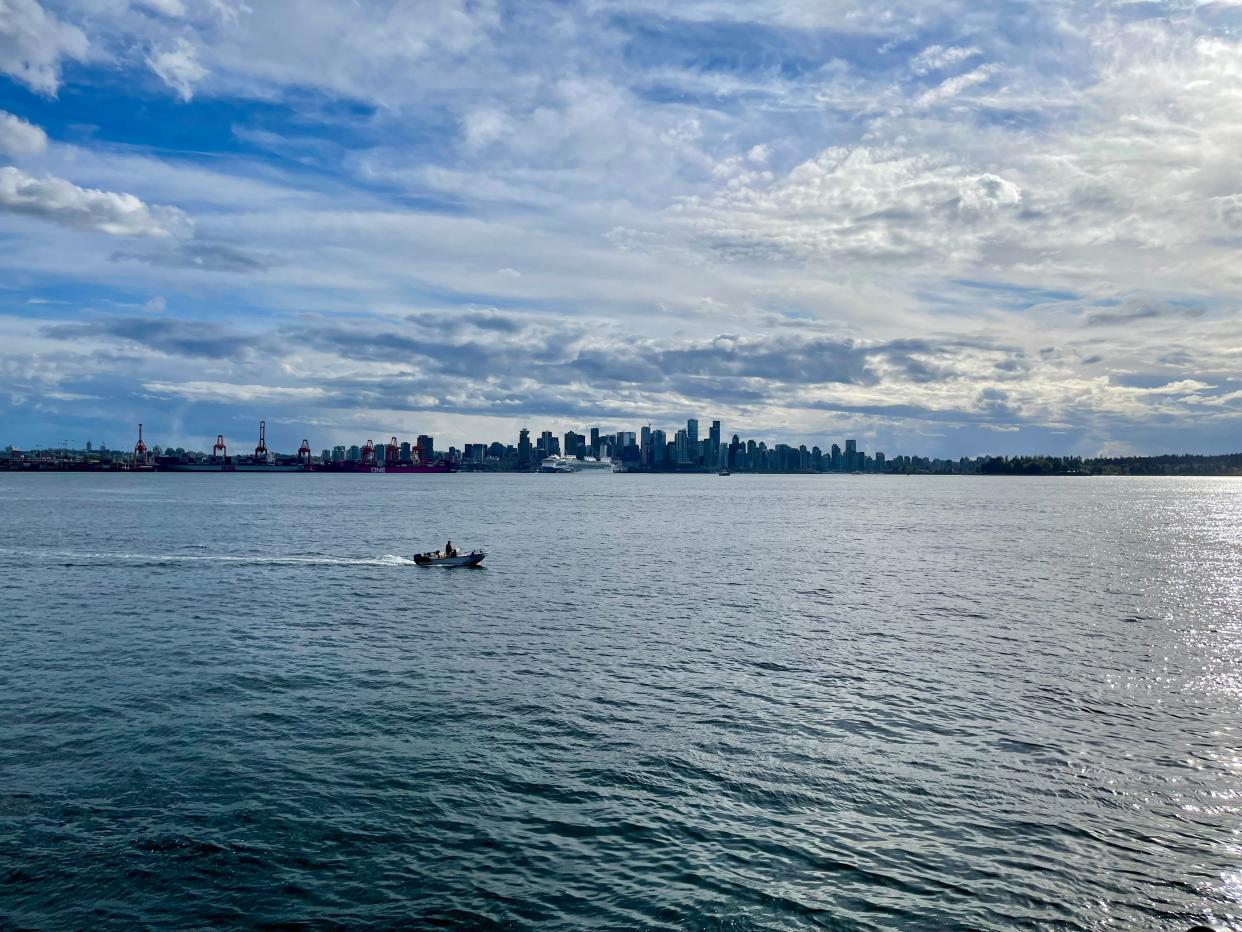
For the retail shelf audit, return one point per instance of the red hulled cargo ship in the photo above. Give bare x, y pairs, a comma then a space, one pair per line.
391, 461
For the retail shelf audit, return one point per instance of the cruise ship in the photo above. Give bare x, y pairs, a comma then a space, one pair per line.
558, 464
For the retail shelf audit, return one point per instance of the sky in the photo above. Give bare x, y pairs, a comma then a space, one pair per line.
945, 228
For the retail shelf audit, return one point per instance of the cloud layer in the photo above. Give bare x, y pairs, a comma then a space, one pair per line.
61, 201
945, 227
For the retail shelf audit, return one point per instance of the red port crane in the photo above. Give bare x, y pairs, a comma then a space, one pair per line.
140, 450
260, 452
220, 449
392, 453
368, 453
304, 453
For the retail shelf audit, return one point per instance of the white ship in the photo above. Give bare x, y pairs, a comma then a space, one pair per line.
558, 464
591, 462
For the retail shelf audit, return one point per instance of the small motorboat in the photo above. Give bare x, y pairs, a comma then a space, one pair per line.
473, 558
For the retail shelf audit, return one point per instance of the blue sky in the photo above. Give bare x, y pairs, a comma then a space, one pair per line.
942, 228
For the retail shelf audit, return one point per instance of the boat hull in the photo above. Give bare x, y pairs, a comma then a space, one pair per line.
230, 467
465, 559
402, 468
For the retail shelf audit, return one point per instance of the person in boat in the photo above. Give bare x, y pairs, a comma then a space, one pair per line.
448, 550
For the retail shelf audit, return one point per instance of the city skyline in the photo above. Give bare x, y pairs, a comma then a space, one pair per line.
650, 449
951, 227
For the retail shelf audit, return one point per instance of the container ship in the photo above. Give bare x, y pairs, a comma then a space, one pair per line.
263, 460
384, 460
391, 461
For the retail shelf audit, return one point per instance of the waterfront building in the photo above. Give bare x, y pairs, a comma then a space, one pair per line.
427, 446
524, 450
713, 435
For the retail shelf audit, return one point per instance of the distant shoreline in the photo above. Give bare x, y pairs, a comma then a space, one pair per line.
1185, 473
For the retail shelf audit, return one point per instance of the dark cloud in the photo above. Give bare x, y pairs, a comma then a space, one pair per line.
494, 363
211, 257
194, 339
1130, 312
508, 348
1178, 356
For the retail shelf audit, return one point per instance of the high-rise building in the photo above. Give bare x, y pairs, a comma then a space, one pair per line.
575, 444
428, 447
659, 448
682, 443
714, 436
407, 454
595, 442
644, 445
524, 449
692, 431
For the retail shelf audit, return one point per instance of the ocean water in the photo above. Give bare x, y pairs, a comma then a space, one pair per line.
840, 702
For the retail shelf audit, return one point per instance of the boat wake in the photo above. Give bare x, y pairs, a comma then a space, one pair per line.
73, 557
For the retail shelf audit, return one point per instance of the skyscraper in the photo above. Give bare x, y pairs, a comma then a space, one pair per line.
595, 442
524, 451
714, 436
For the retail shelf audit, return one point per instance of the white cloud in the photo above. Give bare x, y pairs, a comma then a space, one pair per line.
937, 58
171, 8
856, 205
33, 42
19, 138
988, 192
952, 87
63, 202
178, 67
222, 391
